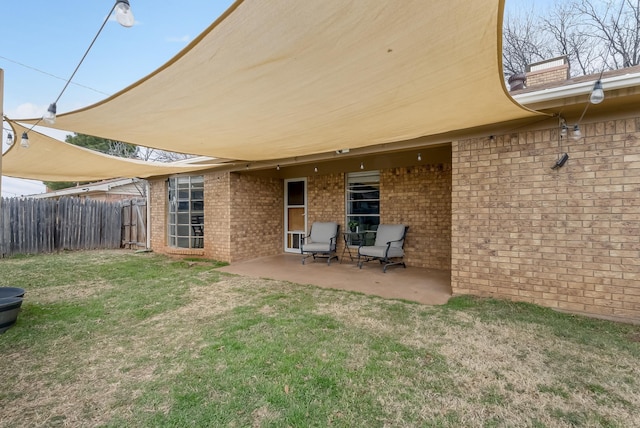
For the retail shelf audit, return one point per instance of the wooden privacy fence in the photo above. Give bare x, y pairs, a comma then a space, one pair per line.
29, 226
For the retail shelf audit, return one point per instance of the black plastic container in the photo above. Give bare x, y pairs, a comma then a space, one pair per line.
11, 292
9, 309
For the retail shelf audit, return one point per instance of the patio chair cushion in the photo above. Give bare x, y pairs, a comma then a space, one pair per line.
321, 242
322, 233
387, 248
380, 251
318, 247
390, 232
386, 233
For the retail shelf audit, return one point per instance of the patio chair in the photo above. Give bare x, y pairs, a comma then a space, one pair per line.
321, 242
387, 248
197, 224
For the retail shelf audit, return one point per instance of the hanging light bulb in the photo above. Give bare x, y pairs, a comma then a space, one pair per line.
124, 14
9, 141
564, 130
278, 167
419, 157
576, 132
315, 169
50, 115
361, 165
24, 142
597, 94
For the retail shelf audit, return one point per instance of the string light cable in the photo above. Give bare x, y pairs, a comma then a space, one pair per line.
597, 93
125, 18
80, 85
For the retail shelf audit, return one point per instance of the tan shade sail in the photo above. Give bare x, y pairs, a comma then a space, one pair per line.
51, 160
282, 78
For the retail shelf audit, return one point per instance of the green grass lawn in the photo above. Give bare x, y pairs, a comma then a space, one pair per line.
137, 339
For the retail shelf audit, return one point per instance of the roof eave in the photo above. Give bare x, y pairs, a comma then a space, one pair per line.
577, 89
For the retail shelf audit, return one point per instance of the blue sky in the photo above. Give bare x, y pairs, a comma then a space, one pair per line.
43, 41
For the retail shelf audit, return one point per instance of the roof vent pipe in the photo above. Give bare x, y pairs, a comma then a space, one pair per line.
517, 81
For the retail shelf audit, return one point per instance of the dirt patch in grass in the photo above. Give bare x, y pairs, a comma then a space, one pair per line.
71, 292
205, 302
262, 415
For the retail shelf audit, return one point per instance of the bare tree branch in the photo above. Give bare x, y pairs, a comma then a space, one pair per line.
521, 43
569, 37
149, 154
596, 35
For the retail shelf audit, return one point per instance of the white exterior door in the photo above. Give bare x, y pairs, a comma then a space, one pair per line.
295, 213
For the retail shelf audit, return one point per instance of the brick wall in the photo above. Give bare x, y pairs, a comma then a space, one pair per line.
326, 200
548, 71
158, 214
243, 217
217, 216
244, 214
555, 74
565, 238
420, 197
256, 217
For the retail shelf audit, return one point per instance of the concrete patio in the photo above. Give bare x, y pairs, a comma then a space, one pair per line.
426, 286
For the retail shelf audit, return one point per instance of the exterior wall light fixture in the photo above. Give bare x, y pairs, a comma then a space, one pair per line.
561, 161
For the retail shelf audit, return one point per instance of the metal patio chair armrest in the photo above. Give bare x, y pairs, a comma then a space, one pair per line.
303, 238
386, 253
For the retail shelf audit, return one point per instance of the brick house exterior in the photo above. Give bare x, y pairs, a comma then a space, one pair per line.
566, 238
486, 206
244, 213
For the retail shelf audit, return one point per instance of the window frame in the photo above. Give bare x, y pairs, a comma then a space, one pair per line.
185, 211
361, 183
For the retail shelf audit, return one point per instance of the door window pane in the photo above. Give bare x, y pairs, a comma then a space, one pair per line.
295, 192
